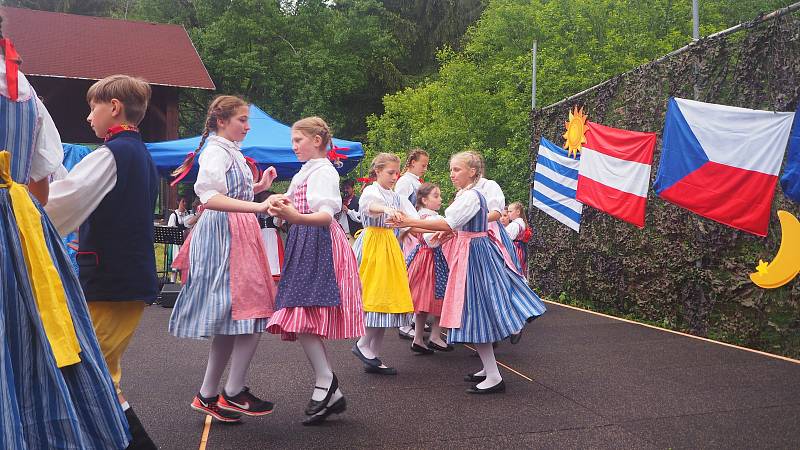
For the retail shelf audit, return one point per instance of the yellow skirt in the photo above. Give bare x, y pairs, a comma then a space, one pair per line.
384, 280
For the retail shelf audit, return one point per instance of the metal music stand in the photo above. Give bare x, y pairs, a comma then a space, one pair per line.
167, 235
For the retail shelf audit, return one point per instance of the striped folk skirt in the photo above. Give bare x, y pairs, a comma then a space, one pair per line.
343, 321
44, 406
205, 306
427, 278
498, 300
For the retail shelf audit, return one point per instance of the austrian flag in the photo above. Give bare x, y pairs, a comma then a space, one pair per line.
614, 173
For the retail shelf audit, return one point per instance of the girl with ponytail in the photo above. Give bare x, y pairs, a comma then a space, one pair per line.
229, 295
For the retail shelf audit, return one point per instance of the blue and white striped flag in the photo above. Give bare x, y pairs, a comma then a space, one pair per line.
554, 182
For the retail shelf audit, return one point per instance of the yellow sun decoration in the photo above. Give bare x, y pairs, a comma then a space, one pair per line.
576, 127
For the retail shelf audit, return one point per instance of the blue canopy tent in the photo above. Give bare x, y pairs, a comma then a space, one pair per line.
269, 143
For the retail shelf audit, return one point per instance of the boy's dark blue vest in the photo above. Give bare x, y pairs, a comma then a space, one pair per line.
116, 257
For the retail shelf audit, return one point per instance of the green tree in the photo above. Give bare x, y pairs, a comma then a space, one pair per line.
480, 98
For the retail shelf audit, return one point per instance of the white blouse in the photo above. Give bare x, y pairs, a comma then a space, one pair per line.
463, 209
47, 152
215, 160
322, 190
374, 193
515, 227
407, 185
495, 199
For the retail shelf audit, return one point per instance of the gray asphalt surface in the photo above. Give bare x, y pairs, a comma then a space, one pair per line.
576, 380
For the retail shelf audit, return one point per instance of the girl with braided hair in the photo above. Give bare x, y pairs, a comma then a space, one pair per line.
229, 294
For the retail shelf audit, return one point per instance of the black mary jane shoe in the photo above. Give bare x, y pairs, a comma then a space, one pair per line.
496, 389
421, 350
338, 407
471, 378
439, 348
374, 362
381, 370
315, 406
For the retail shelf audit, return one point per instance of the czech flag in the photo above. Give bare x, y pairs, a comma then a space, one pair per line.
722, 162
614, 173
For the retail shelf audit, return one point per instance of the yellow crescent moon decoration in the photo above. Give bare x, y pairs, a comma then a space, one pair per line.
786, 264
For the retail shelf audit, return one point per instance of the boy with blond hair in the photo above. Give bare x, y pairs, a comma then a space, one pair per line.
117, 268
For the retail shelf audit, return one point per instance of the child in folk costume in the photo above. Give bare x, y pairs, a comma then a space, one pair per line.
414, 168
229, 294
385, 291
519, 232
319, 295
118, 275
427, 275
55, 388
486, 299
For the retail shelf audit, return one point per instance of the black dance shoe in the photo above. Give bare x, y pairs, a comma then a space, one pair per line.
496, 389
471, 378
140, 439
439, 348
374, 362
421, 350
338, 407
315, 406
381, 370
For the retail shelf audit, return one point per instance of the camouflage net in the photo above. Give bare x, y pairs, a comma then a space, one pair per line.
681, 271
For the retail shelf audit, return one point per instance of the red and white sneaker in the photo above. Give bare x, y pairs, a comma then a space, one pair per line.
245, 403
211, 407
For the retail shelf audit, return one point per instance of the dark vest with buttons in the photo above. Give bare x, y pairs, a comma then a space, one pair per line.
116, 259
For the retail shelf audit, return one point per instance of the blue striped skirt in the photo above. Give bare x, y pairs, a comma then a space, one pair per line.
387, 320
498, 300
42, 406
203, 307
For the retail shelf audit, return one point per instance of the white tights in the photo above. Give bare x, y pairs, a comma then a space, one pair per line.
239, 350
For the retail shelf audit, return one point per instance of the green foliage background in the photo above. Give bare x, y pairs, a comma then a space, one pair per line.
681, 271
481, 97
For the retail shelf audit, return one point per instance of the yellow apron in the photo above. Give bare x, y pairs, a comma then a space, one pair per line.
384, 279
51, 300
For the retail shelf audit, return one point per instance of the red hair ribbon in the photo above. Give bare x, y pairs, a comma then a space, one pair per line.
334, 154
185, 171
12, 68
